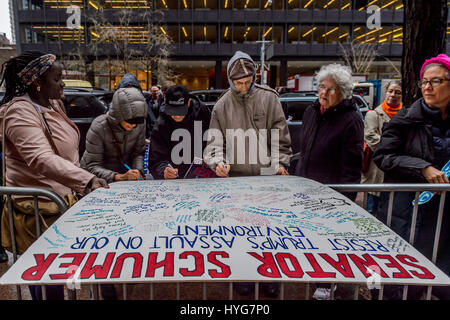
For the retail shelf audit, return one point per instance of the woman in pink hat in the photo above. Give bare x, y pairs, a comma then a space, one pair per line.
414, 148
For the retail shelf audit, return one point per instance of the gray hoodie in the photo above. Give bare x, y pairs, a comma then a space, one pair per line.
106, 135
253, 111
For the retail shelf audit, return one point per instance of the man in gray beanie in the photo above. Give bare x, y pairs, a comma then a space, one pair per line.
248, 110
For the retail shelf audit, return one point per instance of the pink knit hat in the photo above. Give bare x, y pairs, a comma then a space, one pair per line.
442, 59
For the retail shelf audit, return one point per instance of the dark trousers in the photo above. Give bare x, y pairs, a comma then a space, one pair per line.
424, 232
54, 292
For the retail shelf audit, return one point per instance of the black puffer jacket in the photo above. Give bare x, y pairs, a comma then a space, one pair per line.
331, 144
408, 144
161, 144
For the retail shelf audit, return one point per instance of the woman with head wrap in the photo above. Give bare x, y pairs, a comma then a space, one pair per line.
40, 146
414, 147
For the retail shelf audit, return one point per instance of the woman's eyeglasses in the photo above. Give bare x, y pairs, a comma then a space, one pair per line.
433, 82
324, 89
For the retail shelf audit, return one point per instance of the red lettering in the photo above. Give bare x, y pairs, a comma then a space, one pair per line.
199, 266
225, 270
71, 266
167, 264
366, 261
340, 265
394, 264
268, 268
99, 271
42, 264
318, 271
281, 259
119, 264
426, 273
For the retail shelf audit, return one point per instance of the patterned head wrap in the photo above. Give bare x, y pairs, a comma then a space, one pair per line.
36, 68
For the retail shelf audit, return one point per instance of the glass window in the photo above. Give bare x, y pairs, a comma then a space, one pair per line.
211, 34
293, 34
331, 34
205, 4
343, 34
327, 4
172, 32
167, 4
185, 4
307, 4
346, 5
186, 34
227, 4
318, 34
226, 33
239, 33
306, 33
293, 4
246, 4
274, 33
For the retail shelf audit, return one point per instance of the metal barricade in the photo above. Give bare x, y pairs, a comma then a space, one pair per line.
391, 188
35, 193
364, 188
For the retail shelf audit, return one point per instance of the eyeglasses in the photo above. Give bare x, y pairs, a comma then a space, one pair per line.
433, 82
324, 89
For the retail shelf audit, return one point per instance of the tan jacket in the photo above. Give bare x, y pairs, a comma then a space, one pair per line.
30, 160
259, 109
373, 125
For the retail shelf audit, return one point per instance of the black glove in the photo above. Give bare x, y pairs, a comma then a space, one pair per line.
95, 183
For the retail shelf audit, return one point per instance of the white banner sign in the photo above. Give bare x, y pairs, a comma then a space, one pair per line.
276, 228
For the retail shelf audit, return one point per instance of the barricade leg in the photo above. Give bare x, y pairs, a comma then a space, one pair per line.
437, 236
13, 239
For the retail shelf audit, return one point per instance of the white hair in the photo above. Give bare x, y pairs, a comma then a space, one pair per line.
340, 74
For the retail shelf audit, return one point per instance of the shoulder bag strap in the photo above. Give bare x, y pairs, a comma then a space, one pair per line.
47, 130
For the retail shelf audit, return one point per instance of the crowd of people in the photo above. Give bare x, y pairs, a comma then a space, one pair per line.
407, 144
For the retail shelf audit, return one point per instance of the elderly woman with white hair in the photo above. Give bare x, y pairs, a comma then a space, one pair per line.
332, 133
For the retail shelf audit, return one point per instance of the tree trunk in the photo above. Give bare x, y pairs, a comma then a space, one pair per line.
424, 37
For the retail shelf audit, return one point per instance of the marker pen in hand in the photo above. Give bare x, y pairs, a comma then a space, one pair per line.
128, 167
170, 166
224, 166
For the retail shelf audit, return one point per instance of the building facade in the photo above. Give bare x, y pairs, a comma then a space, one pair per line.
299, 35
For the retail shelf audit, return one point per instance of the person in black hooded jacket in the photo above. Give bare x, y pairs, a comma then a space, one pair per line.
171, 159
332, 133
414, 147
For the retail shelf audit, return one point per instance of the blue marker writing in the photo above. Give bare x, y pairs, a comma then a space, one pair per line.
128, 167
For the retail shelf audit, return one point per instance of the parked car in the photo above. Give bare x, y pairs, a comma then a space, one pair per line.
208, 97
77, 83
294, 105
83, 106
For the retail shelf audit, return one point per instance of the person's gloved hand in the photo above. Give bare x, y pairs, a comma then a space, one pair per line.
96, 183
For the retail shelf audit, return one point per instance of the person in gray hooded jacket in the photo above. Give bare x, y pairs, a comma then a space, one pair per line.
250, 110
115, 142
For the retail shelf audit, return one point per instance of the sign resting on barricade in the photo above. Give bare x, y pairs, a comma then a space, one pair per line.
272, 228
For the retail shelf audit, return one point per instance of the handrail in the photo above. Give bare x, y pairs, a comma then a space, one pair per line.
36, 192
